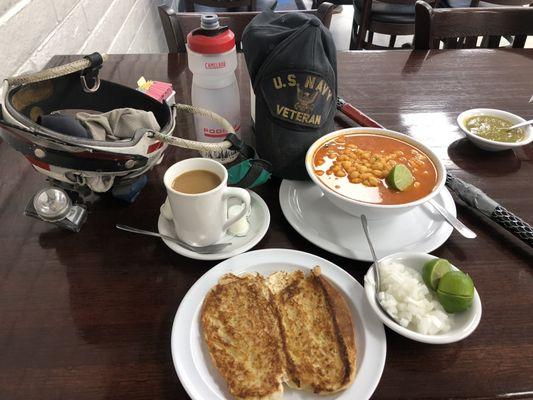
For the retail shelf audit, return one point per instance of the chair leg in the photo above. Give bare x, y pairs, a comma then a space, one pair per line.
392, 41
361, 33
494, 42
519, 41
370, 37
353, 36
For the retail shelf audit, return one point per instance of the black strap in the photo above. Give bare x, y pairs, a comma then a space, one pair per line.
238, 145
257, 166
95, 59
91, 73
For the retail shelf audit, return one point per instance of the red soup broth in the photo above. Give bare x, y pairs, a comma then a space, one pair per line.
356, 165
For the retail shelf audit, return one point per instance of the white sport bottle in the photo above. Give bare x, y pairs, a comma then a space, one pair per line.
212, 60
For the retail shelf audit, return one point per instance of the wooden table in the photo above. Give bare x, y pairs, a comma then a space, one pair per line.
88, 315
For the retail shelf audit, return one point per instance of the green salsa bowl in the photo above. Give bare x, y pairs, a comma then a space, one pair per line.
485, 127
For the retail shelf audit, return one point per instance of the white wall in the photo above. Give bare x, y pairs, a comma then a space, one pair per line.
32, 31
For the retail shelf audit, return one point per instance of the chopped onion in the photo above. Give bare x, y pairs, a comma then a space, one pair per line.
405, 296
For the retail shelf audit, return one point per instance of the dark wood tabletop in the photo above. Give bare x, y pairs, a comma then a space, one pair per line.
88, 315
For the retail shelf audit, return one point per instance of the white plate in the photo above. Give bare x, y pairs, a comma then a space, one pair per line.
259, 220
314, 217
191, 358
462, 324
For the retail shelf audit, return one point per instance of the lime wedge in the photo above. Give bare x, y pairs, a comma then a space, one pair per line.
399, 177
434, 270
455, 291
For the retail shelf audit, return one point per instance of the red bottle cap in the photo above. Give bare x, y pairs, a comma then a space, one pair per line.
203, 44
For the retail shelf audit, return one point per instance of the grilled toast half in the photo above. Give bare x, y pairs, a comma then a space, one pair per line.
286, 328
240, 327
316, 331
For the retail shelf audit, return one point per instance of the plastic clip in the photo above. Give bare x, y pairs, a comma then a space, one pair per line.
91, 73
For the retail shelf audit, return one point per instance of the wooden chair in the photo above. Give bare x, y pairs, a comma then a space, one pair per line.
177, 25
486, 3
461, 27
389, 17
225, 5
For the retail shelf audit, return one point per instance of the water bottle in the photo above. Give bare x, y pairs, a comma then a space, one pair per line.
212, 60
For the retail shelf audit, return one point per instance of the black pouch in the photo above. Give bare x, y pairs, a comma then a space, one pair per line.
292, 63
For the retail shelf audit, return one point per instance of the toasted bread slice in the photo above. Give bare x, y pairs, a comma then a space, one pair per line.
316, 330
241, 330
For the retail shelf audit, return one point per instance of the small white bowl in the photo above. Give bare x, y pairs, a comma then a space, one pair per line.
492, 145
372, 210
463, 324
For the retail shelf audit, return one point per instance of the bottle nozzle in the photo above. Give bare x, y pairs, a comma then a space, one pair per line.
209, 21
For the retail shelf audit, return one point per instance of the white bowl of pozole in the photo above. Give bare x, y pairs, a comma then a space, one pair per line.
487, 129
353, 166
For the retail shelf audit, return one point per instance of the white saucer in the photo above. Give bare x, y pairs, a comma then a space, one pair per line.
422, 229
259, 220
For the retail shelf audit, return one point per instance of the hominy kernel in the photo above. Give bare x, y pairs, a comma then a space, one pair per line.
336, 168
346, 164
376, 172
354, 174
366, 183
373, 181
340, 173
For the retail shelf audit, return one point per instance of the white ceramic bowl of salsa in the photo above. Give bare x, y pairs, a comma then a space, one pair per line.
357, 206
488, 144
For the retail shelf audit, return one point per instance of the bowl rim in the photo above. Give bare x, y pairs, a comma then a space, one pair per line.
439, 166
444, 338
494, 112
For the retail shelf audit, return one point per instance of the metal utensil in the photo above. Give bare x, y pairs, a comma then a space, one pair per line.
520, 125
453, 221
377, 281
210, 249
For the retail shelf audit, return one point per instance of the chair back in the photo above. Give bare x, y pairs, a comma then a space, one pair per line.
461, 27
249, 4
501, 2
177, 25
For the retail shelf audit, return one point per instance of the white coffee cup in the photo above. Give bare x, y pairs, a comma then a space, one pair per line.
201, 219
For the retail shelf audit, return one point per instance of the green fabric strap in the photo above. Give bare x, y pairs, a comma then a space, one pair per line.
249, 173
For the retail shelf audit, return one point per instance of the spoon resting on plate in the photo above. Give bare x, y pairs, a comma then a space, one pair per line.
377, 280
453, 221
210, 249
